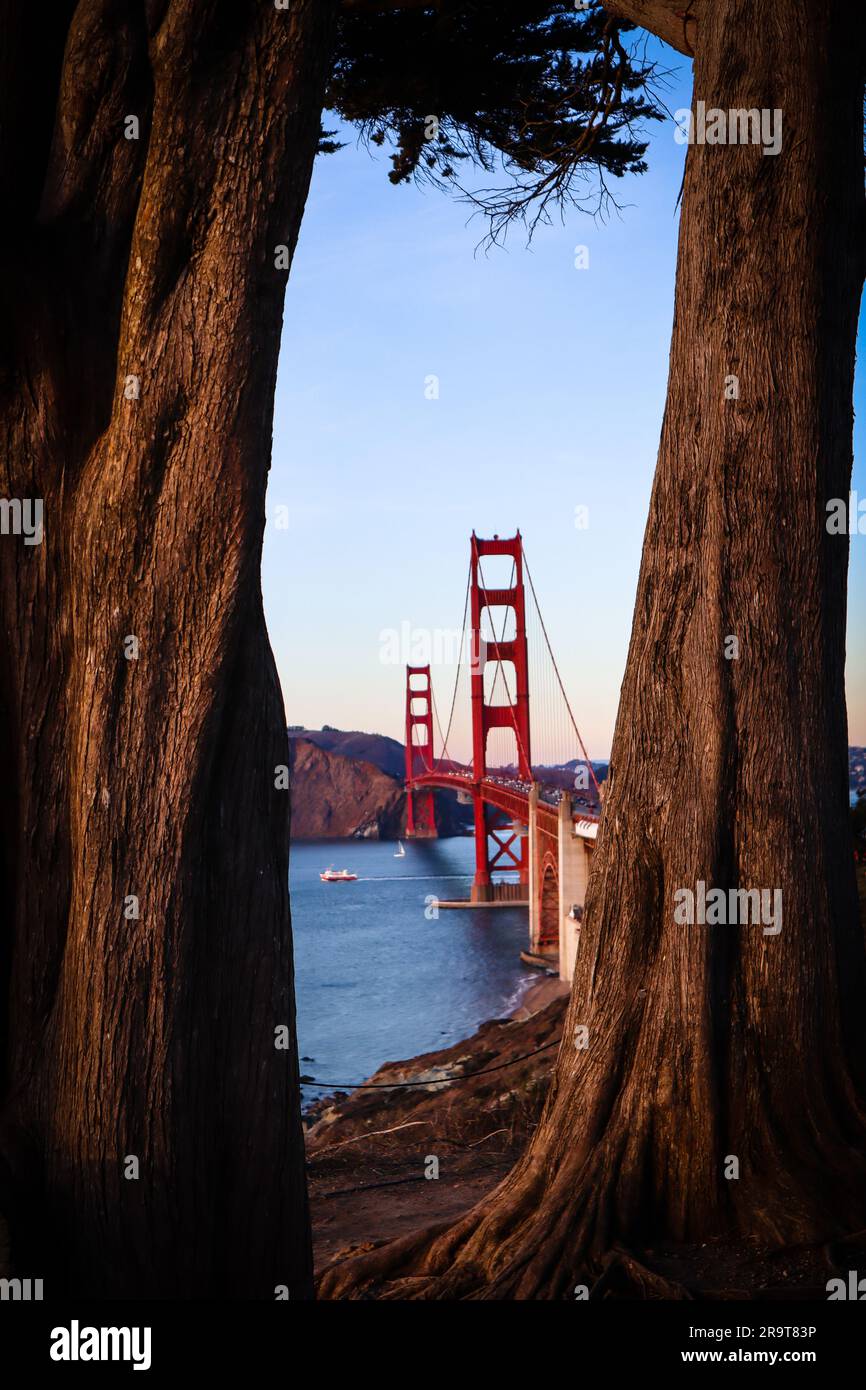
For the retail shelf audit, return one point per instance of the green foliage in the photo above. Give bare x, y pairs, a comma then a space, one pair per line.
541, 93
327, 144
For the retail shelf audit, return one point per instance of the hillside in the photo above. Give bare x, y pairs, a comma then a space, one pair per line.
336, 796
384, 753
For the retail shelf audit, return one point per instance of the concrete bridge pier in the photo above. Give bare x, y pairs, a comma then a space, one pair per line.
534, 873
558, 875
574, 857
543, 891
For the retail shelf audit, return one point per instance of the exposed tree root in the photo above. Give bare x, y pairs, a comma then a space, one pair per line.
626, 1277
506, 1247
403, 1270
549, 1236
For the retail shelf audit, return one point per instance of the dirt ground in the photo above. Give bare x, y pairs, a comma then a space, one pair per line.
367, 1186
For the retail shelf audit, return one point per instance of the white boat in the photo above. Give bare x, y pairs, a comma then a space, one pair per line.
399, 852
337, 876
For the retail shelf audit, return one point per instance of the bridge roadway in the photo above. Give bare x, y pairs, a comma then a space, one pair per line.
561, 841
508, 795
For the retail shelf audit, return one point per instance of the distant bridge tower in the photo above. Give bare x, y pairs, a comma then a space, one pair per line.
509, 849
420, 813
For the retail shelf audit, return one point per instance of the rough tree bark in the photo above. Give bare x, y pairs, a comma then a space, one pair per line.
141, 312
709, 1041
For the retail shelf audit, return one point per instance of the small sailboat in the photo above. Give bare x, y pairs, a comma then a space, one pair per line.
399, 852
337, 876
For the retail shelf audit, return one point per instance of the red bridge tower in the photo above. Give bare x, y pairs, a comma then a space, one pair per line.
420, 814
493, 830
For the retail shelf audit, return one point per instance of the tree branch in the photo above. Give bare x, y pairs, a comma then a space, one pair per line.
674, 21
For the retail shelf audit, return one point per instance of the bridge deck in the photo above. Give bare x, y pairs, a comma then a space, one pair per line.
512, 798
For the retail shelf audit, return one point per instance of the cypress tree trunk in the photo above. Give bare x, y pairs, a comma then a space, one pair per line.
146, 945
708, 1043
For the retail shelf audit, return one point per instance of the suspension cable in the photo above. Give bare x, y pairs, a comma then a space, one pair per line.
559, 679
444, 737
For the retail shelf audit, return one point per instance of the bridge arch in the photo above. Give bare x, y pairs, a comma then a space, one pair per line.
548, 906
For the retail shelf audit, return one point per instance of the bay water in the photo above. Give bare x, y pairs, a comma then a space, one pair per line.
380, 973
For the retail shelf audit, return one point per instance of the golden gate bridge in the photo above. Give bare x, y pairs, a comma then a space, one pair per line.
529, 820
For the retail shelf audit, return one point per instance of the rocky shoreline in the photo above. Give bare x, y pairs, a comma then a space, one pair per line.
383, 1162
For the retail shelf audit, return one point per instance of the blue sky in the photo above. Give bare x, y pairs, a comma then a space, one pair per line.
551, 390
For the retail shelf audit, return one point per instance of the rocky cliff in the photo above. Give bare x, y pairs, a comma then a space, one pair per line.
384, 753
337, 797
